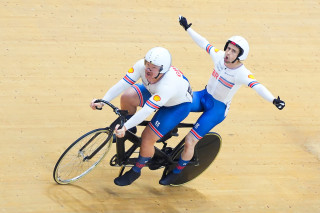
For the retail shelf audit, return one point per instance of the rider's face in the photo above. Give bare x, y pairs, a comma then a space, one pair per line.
231, 53
151, 71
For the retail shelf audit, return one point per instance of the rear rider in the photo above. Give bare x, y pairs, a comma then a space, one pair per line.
163, 89
228, 75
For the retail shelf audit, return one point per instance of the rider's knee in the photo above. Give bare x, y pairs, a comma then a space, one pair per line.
130, 97
127, 95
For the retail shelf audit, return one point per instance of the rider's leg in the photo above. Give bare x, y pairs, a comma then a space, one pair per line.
214, 113
186, 155
148, 138
162, 122
189, 144
146, 152
130, 101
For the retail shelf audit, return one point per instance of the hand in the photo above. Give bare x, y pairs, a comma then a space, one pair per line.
120, 132
279, 103
95, 106
183, 22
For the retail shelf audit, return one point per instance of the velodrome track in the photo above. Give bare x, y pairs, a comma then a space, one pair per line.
56, 56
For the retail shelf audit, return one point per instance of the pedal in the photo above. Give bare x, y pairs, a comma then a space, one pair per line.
155, 164
167, 150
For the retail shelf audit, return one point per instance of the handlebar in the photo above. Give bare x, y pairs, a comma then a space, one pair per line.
115, 109
121, 113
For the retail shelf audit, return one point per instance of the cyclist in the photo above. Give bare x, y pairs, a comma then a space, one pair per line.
228, 75
164, 88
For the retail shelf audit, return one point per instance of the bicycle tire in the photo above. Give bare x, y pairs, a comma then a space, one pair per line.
72, 164
208, 148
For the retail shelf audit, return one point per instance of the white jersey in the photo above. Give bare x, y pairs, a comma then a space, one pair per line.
172, 89
225, 82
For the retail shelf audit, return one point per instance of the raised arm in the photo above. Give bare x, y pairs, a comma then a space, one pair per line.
197, 38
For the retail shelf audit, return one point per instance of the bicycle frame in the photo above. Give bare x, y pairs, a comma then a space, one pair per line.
167, 156
122, 157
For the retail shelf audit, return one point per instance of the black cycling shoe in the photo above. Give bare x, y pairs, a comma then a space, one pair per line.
128, 178
169, 179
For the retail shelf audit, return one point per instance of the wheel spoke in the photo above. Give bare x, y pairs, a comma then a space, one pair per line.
71, 166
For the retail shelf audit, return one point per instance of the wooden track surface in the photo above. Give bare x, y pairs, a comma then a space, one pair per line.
56, 56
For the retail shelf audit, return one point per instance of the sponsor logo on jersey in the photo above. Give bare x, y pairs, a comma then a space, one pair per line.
251, 76
155, 130
131, 70
216, 50
157, 123
156, 98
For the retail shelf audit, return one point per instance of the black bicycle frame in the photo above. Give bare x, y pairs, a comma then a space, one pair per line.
120, 121
123, 156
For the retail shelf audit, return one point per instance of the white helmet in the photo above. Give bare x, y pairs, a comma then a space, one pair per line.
159, 56
242, 44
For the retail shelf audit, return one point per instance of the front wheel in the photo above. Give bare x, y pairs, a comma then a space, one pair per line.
82, 156
206, 151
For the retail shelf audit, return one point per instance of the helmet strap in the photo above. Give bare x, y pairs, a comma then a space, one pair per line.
157, 75
161, 68
235, 60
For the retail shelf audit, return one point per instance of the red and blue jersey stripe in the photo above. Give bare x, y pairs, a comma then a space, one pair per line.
137, 89
253, 83
195, 134
155, 130
208, 48
152, 105
226, 83
128, 80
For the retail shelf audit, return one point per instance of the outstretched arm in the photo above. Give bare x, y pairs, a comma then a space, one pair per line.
266, 94
197, 38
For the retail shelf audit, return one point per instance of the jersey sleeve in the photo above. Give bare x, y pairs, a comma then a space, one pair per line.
138, 117
153, 103
198, 39
251, 82
264, 93
204, 44
129, 79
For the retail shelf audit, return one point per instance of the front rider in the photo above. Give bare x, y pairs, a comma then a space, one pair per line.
163, 89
